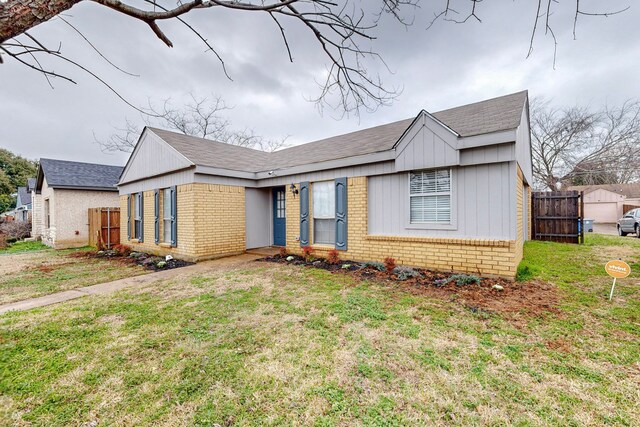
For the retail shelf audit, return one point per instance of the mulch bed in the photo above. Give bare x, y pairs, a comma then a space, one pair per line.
150, 262
532, 298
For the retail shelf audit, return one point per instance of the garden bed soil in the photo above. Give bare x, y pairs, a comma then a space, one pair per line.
149, 262
489, 294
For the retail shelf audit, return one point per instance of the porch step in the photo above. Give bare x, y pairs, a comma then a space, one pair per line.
265, 251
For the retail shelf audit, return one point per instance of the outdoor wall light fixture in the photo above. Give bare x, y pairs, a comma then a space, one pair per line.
294, 190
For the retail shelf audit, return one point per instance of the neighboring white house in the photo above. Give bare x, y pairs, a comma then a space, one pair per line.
605, 203
64, 192
23, 201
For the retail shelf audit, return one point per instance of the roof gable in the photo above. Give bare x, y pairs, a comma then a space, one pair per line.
24, 197
77, 175
152, 156
427, 143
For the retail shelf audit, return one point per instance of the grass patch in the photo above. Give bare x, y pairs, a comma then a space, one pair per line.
24, 247
282, 345
44, 272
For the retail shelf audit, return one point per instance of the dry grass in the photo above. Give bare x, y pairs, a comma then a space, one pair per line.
33, 274
267, 344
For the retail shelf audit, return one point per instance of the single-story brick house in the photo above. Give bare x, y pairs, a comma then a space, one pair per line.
64, 192
446, 190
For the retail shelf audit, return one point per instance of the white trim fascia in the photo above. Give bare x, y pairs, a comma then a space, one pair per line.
363, 159
493, 138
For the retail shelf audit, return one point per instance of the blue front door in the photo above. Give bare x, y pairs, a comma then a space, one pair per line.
279, 217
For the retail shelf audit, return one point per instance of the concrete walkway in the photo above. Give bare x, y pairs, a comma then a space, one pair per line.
128, 282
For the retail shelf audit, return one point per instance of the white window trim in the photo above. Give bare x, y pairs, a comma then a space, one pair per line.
163, 220
136, 214
313, 217
453, 223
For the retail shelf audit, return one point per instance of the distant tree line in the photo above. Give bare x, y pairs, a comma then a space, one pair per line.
14, 172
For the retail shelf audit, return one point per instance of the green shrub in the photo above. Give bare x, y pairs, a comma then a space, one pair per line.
404, 273
464, 279
374, 264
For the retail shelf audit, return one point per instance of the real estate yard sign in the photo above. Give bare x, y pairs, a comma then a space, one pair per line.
618, 270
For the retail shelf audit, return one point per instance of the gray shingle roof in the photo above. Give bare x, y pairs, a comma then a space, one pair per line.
25, 196
206, 152
31, 184
630, 190
492, 115
67, 174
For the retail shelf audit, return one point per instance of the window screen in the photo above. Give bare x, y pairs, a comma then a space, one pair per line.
166, 215
137, 210
430, 196
324, 212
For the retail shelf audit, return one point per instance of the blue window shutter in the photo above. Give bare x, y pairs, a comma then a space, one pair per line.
141, 195
128, 216
304, 214
156, 208
341, 214
174, 216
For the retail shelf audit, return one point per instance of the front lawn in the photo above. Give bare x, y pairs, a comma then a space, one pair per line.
34, 273
271, 344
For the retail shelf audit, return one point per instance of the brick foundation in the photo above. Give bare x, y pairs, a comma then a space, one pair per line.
477, 256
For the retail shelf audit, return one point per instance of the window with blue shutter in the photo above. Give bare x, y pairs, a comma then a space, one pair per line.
174, 216
341, 213
304, 214
128, 216
156, 215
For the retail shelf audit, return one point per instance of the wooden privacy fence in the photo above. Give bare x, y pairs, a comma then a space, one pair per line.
627, 208
557, 216
104, 227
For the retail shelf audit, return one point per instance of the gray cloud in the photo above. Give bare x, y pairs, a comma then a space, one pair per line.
442, 67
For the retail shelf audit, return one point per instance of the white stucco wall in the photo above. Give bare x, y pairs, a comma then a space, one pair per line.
71, 219
48, 234
36, 215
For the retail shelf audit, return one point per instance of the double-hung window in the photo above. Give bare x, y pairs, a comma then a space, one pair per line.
167, 216
324, 212
137, 216
430, 196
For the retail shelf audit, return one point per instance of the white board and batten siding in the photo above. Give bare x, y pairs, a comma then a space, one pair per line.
523, 146
259, 225
483, 204
153, 157
426, 145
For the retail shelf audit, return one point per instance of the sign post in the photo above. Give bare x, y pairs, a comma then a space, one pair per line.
618, 270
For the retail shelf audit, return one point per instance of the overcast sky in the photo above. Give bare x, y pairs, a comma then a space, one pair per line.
442, 67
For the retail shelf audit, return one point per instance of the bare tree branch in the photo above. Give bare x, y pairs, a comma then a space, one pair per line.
201, 117
578, 146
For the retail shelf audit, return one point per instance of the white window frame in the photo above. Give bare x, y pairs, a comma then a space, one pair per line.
166, 201
313, 216
137, 231
452, 224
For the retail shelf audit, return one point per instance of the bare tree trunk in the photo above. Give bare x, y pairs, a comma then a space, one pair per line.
18, 16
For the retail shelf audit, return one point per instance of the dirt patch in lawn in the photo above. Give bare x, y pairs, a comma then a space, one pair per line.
532, 298
477, 294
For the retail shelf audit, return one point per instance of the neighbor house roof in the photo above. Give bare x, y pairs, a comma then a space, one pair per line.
77, 175
31, 184
25, 196
493, 115
631, 191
